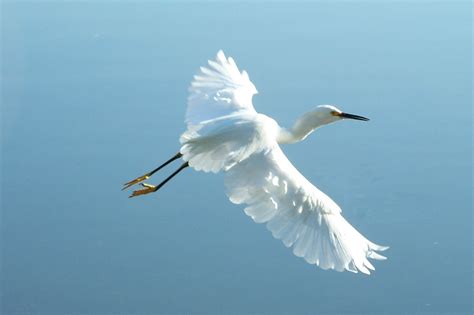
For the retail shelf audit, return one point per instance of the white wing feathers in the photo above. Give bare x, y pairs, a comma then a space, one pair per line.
223, 126
226, 133
220, 143
218, 91
297, 213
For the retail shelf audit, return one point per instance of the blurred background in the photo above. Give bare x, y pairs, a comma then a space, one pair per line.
94, 94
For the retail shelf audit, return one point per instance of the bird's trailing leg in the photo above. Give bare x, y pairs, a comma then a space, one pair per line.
151, 188
147, 175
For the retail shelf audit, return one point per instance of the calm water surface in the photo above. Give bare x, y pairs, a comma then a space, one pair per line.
94, 93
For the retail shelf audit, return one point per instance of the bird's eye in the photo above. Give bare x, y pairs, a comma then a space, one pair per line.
334, 113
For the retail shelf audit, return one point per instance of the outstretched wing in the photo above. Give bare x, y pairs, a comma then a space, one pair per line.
219, 90
298, 213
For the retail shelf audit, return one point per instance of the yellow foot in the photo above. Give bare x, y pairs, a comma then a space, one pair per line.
135, 181
148, 189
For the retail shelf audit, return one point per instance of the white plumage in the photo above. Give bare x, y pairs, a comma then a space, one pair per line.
226, 133
219, 91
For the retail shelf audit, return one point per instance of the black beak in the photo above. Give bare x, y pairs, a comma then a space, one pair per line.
350, 116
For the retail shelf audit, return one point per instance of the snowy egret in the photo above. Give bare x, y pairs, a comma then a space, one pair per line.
225, 133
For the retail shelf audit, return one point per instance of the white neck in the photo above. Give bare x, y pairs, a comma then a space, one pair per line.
303, 127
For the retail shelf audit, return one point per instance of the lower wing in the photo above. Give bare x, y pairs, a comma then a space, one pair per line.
298, 213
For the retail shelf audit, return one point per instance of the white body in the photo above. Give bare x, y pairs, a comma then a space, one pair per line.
225, 133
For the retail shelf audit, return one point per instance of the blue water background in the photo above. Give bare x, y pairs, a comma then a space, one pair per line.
94, 94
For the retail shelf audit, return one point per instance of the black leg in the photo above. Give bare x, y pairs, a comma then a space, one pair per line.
150, 188
177, 156
147, 175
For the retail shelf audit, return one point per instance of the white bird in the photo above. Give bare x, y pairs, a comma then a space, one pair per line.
225, 133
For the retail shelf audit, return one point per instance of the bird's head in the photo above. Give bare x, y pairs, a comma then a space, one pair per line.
307, 123
326, 114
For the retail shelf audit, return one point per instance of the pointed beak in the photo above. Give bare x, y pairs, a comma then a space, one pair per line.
350, 116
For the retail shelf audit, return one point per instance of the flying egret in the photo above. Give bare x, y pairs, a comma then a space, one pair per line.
225, 133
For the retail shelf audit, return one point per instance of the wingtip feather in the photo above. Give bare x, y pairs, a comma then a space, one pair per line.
376, 256
220, 56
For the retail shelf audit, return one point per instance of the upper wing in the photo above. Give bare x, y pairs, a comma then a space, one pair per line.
219, 90
298, 213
